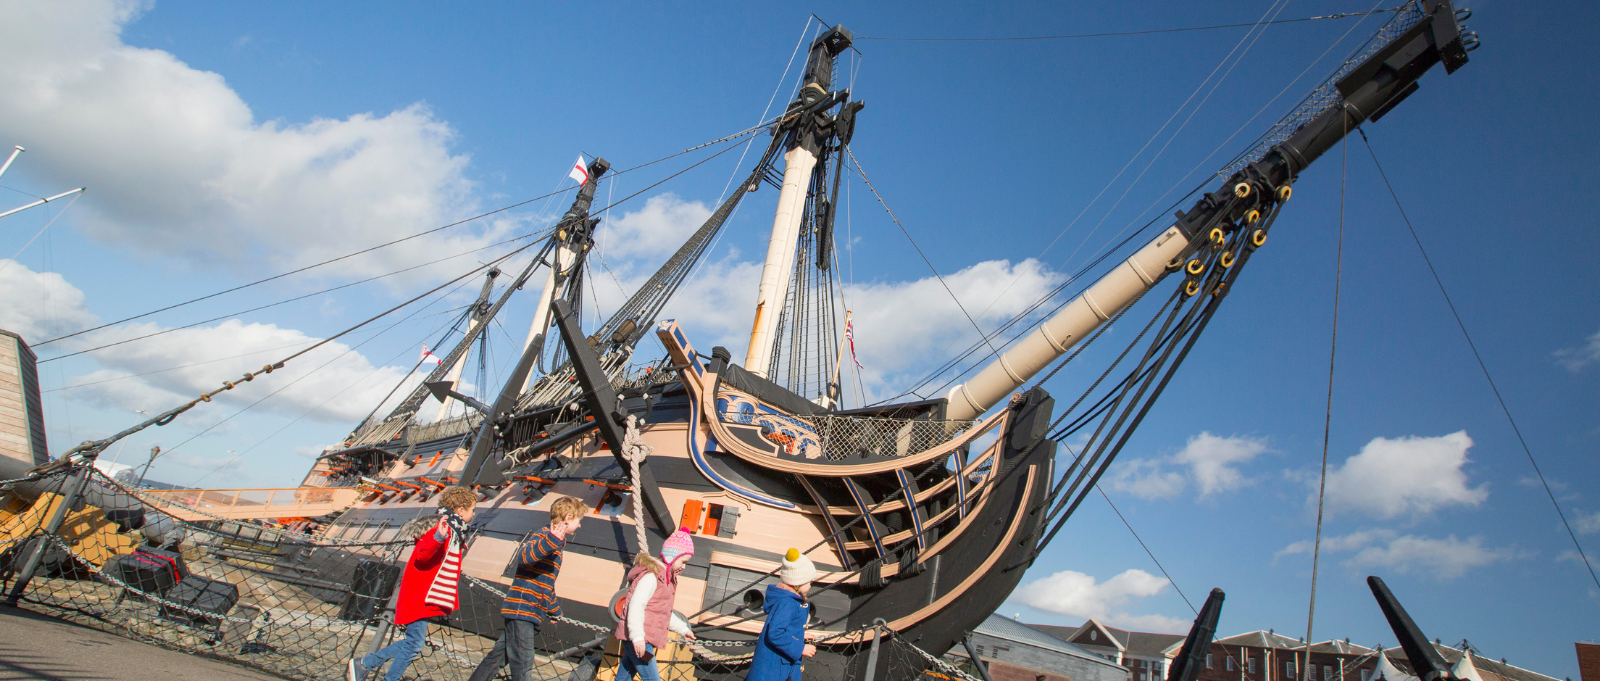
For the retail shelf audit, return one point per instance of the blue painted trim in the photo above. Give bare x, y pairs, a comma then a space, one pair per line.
833, 526
911, 507
698, 457
861, 502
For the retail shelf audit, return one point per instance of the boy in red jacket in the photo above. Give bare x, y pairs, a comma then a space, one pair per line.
427, 587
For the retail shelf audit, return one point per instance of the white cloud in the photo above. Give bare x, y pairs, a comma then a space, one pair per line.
1146, 479
1586, 524
158, 374
901, 326
1440, 559
1575, 359
39, 305
1349, 542
1076, 594
177, 164
652, 232
1410, 475
1210, 461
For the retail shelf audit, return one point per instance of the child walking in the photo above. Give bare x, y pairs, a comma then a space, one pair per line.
652, 587
428, 584
782, 645
532, 598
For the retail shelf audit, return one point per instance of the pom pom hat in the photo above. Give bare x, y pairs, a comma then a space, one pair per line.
679, 544
797, 569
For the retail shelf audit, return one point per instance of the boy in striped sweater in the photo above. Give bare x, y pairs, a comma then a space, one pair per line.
428, 584
532, 598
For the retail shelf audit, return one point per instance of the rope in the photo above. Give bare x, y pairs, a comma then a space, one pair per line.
1333, 353
1146, 548
63, 211
1503, 408
1344, 15
636, 451
924, 256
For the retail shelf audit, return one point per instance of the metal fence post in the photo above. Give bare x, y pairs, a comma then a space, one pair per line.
872, 653
983, 670
74, 488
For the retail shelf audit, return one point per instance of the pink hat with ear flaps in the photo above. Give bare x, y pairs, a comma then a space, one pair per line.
679, 544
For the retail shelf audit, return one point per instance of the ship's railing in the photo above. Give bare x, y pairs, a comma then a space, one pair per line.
201, 504
842, 437
450, 427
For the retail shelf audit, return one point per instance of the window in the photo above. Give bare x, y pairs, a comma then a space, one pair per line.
1208, 661
1311, 672
1251, 663
1288, 668
1327, 672
1366, 675
1230, 663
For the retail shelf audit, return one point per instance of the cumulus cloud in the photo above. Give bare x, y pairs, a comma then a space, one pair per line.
1076, 594
1209, 461
901, 325
1575, 359
1586, 523
157, 374
1441, 559
1410, 475
177, 164
1147, 479
39, 305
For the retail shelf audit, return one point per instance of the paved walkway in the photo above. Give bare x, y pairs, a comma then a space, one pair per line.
35, 646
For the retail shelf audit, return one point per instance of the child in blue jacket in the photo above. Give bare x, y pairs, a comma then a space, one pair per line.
782, 645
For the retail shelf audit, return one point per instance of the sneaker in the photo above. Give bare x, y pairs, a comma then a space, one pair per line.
354, 671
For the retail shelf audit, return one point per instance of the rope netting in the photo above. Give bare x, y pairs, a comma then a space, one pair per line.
291, 603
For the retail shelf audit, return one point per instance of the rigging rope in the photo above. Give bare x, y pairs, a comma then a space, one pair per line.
63, 211
924, 256
1333, 353
285, 301
408, 238
1481, 365
636, 451
1344, 15
1146, 548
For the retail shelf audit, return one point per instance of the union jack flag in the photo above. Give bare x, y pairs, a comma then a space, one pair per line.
850, 337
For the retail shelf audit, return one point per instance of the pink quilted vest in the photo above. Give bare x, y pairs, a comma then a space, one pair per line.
657, 612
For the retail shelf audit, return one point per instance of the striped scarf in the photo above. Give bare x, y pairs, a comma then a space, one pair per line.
442, 592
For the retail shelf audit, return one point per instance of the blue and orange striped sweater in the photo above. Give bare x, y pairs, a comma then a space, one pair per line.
533, 592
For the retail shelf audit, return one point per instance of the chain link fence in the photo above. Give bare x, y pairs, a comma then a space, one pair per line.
290, 603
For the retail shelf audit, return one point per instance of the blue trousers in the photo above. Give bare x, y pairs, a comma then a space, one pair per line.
401, 651
517, 646
631, 666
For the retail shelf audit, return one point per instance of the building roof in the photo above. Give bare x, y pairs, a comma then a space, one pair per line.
1093, 633
1332, 647
1489, 670
999, 626
1262, 639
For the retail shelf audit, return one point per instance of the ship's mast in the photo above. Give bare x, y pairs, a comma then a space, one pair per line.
809, 128
571, 237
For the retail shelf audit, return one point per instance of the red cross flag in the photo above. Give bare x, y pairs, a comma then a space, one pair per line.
579, 172
428, 357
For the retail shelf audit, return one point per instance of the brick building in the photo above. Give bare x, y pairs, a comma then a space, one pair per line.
1145, 655
1588, 660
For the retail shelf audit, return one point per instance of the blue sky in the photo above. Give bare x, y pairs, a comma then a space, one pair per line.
221, 143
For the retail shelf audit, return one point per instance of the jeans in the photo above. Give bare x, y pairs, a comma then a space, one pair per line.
401, 651
516, 645
632, 666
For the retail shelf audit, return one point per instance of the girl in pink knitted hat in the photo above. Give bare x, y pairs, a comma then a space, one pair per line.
652, 586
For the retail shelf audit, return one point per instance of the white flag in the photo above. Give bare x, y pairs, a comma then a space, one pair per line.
428, 357
579, 172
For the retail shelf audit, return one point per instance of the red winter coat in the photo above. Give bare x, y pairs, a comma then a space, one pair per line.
429, 580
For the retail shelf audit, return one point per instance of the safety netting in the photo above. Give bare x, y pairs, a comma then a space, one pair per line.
282, 600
